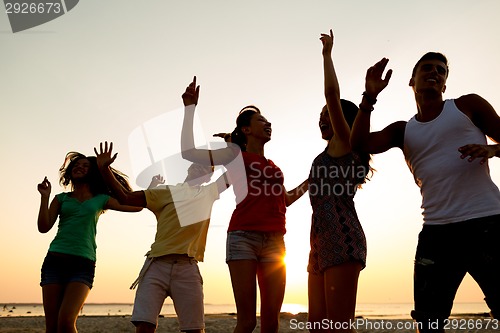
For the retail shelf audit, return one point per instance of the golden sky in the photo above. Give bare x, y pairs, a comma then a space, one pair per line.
105, 68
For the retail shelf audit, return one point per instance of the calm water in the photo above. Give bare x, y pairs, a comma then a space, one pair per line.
367, 310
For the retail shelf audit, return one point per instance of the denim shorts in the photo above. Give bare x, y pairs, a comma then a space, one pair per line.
254, 245
58, 268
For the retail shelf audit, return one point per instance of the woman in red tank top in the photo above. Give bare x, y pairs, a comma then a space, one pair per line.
255, 247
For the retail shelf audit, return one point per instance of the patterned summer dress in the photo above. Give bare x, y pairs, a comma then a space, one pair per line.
336, 233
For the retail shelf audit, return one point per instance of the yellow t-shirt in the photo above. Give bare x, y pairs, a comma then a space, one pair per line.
183, 215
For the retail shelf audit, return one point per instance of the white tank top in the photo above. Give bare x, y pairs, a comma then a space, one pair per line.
453, 189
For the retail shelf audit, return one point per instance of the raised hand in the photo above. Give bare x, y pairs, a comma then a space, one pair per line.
327, 41
44, 187
104, 156
156, 180
191, 94
374, 83
225, 136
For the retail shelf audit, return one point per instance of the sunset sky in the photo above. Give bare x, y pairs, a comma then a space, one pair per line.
108, 68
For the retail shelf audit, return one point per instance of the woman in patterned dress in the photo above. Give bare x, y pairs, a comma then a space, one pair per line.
338, 244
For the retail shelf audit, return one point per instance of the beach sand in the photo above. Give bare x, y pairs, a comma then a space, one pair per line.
224, 323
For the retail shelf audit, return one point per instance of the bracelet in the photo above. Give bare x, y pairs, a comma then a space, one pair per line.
368, 98
365, 109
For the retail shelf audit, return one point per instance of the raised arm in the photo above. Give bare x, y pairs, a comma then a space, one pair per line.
123, 196
188, 148
332, 94
484, 116
47, 215
391, 136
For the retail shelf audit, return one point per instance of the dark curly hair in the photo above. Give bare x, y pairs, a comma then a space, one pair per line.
93, 178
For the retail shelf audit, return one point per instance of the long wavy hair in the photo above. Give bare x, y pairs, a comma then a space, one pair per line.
244, 118
93, 178
350, 110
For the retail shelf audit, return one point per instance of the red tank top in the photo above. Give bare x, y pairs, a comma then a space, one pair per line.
263, 207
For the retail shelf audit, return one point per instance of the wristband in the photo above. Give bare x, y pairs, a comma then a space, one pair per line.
364, 108
369, 99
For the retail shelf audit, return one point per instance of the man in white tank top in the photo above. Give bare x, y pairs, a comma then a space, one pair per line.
445, 147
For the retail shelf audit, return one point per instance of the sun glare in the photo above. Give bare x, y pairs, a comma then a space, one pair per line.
296, 269
293, 308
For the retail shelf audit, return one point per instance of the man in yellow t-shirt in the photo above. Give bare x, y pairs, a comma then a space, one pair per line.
171, 268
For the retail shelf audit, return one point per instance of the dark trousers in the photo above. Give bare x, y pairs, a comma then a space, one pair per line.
445, 253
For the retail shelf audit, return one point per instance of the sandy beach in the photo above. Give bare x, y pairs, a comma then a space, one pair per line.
224, 323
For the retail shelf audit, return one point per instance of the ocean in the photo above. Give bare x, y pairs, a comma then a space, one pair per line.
365, 310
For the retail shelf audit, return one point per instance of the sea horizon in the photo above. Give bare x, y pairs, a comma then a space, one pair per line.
364, 310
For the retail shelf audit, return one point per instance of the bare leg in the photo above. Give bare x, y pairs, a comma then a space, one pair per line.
52, 298
272, 281
75, 295
341, 286
243, 275
317, 302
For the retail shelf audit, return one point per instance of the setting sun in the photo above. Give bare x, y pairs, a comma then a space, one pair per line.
296, 265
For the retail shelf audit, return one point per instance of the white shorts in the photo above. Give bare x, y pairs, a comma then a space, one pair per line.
177, 276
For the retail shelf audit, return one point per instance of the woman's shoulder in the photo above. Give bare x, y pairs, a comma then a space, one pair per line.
249, 157
346, 157
63, 195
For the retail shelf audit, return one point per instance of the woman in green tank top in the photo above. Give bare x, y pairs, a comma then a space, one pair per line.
68, 269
